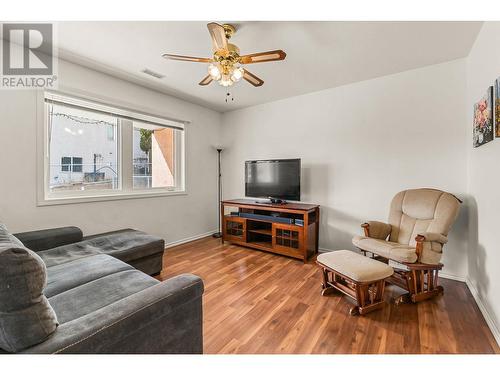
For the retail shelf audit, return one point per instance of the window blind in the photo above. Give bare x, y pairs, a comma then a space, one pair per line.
103, 108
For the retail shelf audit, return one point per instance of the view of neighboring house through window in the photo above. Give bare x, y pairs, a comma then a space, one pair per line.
154, 157
87, 142
86, 134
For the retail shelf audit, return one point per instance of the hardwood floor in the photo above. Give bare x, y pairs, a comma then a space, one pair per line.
256, 302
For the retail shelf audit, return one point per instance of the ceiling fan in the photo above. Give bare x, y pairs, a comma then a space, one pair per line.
226, 62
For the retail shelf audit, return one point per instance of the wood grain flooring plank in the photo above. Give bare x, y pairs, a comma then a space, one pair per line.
256, 302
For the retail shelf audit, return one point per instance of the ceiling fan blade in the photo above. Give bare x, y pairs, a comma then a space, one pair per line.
187, 58
252, 78
263, 57
218, 36
205, 81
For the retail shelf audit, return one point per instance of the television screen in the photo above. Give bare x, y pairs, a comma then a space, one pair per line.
273, 179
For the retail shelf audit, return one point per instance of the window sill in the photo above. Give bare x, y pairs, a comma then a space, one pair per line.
52, 201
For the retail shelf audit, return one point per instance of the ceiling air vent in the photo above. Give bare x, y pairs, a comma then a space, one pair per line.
153, 74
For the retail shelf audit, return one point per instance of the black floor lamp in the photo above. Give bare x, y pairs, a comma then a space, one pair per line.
218, 234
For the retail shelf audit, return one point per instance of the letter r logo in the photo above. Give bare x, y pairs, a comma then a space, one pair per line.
27, 49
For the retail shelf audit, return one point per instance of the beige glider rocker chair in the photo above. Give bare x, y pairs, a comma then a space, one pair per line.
419, 222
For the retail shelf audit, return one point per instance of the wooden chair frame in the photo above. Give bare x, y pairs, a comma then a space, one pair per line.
420, 280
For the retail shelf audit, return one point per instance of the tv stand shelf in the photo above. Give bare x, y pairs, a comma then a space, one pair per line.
267, 232
297, 238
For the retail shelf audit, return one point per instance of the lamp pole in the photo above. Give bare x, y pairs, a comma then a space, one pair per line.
218, 234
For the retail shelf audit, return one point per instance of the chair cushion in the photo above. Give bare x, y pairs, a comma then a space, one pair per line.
390, 250
66, 276
355, 266
94, 295
26, 317
421, 210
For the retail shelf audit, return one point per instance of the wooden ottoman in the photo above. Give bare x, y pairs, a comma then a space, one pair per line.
357, 276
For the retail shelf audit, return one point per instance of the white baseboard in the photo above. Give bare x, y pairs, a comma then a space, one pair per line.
487, 316
323, 250
445, 275
189, 239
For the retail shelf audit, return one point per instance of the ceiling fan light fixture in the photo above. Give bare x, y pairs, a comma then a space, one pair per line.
226, 80
226, 64
237, 74
214, 72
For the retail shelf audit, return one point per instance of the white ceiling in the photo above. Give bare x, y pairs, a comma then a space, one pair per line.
320, 55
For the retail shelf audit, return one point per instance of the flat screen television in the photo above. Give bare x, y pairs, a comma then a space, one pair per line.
277, 179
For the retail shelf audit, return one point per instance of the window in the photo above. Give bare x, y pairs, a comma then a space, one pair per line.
77, 165
71, 164
110, 132
78, 131
95, 150
65, 164
154, 156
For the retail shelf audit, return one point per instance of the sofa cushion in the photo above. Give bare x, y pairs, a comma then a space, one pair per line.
390, 250
94, 295
26, 317
69, 275
126, 245
67, 253
39, 240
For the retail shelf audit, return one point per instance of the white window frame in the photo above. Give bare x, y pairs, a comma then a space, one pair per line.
126, 114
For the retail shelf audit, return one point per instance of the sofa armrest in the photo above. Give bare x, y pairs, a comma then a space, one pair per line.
377, 229
165, 318
45, 239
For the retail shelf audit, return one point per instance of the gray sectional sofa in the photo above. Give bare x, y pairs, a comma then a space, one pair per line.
61, 292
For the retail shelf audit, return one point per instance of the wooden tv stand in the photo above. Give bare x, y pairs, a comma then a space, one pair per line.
265, 233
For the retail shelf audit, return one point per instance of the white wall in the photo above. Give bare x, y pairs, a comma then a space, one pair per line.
360, 144
173, 217
483, 67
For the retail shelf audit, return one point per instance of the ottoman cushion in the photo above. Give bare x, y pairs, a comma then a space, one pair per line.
355, 266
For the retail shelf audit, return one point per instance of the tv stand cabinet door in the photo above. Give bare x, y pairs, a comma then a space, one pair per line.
234, 229
288, 239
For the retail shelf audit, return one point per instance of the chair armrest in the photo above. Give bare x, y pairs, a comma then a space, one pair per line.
164, 318
45, 239
431, 237
430, 241
376, 229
